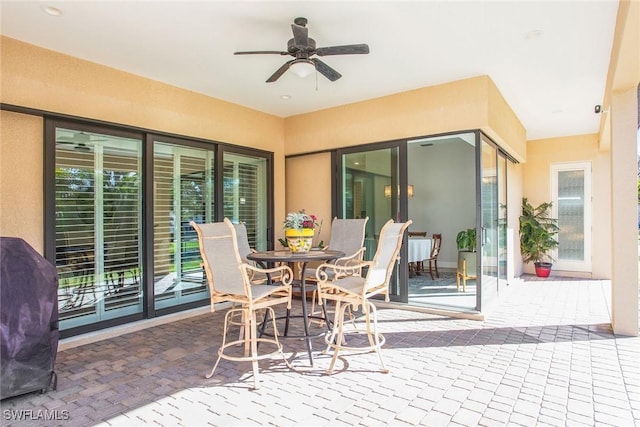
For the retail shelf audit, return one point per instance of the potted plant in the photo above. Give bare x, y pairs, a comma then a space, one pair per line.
538, 236
466, 241
299, 230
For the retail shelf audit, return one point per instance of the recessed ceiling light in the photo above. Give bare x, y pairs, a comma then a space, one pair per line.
285, 96
51, 10
533, 34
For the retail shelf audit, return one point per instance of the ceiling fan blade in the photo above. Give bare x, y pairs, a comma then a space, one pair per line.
300, 35
350, 49
280, 71
257, 52
325, 70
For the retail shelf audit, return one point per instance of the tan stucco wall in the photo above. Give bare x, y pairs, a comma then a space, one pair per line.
42, 79
473, 103
310, 176
21, 178
537, 186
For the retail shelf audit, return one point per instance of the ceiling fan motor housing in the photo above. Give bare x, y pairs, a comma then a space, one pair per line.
292, 48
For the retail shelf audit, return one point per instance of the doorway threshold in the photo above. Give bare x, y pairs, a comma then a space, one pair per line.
447, 311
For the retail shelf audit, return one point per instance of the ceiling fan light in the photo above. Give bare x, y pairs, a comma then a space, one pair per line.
302, 68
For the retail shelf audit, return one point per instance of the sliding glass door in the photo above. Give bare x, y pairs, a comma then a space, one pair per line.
183, 183
445, 184
245, 198
369, 186
489, 221
493, 221
118, 206
98, 232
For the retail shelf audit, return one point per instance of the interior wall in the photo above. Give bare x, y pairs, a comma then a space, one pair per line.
537, 187
443, 176
41, 79
21, 178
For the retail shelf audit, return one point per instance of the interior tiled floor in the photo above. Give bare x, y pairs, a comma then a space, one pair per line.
545, 356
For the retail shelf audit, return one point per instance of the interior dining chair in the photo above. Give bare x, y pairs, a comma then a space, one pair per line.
347, 235
416, 267
345, 285
433, 257
229, 280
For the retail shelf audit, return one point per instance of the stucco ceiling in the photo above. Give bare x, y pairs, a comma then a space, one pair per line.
548, 58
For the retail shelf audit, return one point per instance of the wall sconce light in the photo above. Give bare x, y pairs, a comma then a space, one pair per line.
387, 190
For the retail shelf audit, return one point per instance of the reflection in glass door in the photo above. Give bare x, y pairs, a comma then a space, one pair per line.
489, 222
245, 195
183, 192
98, 195
502, 222
370, 189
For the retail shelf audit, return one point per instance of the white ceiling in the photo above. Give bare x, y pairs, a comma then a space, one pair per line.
548, 58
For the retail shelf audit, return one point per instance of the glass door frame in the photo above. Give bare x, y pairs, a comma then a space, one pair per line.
501, 190
147, 138
149, 206
399, 202
50, 243
270, 191
399, 183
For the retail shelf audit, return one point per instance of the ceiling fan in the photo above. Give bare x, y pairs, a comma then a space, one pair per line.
303, 48
81, 141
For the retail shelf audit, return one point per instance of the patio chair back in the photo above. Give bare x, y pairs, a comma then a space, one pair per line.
244, 248
386, 254
347, 235
221, 259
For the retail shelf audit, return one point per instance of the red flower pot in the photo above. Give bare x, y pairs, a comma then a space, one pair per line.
543, 269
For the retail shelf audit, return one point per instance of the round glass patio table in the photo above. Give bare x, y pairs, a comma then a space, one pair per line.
269, 257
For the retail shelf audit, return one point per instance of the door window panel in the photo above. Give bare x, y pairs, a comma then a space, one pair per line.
489, 220
571, 184
365, 174
183, 192
245, 195
98, 227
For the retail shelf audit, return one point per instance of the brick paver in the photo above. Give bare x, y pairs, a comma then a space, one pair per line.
545, 356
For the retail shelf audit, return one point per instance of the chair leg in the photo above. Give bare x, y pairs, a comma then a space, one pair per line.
376, 335
224, 342
337, 330
253, 332
334, 330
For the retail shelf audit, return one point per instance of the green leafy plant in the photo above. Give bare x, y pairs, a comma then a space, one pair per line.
466, 240
537, 232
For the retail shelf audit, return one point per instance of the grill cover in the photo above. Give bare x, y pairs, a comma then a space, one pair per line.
29, 319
